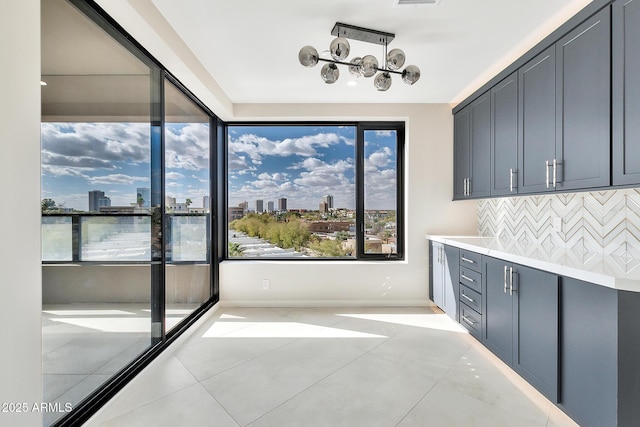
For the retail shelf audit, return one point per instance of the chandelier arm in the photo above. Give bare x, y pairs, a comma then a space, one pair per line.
384, 70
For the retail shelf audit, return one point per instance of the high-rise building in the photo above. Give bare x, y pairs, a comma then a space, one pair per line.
98, 199
324, 207
282, 205
328, 199
270, 207
259, 206
143, 197
244, 206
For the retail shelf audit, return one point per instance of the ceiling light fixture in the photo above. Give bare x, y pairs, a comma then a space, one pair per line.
367, 65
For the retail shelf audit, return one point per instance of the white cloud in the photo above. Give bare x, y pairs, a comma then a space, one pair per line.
174, 175
117, 179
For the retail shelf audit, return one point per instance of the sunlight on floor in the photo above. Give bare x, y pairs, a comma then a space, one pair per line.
281, 330
430, 321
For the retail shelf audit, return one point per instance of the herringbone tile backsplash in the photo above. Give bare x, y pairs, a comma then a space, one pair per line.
588, 225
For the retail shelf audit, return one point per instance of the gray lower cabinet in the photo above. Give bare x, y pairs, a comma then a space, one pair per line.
520, 317
444, 278
626, 92
600, 354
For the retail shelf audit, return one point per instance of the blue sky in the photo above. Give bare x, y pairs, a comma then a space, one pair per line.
304, 163
300, 163
114, 158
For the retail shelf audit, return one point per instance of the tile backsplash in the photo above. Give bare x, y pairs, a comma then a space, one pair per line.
588, 224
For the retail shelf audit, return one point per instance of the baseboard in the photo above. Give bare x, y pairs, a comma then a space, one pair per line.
326, 303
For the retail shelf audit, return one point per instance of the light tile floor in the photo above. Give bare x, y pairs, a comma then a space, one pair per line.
328, 367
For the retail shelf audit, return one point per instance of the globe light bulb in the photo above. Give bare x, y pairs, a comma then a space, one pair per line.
339, 48
368, 66
382, 81
411, 74
330, 73
308, 56
395, 59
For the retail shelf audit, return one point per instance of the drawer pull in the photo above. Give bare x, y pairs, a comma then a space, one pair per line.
468, 298
467, 260
467, 278
469, 321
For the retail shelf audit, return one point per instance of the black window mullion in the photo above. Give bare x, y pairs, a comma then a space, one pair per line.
360, 190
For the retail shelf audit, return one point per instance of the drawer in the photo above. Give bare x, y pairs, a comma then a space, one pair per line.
471, 320
471, 260
471, 278
471, 298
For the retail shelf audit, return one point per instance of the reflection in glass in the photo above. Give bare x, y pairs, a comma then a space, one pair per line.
380, 191
187, 139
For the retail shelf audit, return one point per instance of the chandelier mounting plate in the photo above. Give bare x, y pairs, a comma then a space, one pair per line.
363, 34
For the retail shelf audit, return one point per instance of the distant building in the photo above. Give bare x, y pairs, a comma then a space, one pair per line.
235, 213
244, 206
270, 207
168, 201
97, 199
324, 207
206, 202
143, 193
328, 199
282, 205
118, 209
259, 206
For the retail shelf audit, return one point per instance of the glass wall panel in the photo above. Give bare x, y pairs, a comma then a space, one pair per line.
187, 205
96, 123
57, 238
291, 191
380, 191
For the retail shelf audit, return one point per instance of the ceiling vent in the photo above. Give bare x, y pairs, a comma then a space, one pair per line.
402, 3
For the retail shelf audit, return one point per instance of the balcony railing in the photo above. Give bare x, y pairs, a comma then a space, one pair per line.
76, 237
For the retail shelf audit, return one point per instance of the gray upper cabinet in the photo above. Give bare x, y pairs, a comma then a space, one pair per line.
626, 92
461, 153
537, 124
583, 138
504, 137
472, 145
550, 120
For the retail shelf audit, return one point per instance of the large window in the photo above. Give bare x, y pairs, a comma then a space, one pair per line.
315, 190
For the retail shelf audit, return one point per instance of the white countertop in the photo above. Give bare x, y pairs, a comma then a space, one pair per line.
618, 271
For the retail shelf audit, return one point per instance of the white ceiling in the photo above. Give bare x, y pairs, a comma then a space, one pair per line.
250, 47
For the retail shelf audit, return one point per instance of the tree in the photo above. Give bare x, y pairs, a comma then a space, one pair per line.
235, 249
140, 201
188, 202
48, 205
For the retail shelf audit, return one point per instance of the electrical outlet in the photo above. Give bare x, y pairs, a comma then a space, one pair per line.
265, 284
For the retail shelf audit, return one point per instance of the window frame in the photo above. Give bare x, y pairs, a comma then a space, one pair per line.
360, 127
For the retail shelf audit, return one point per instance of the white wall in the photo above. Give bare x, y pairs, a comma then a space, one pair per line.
20, 280
429, 209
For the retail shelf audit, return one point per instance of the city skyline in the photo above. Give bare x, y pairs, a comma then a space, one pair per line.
115, 158
305, 163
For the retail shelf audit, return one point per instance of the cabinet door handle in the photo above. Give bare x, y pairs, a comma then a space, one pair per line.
555, 173
467, 278
467, 260
505, 279
547, 172
468, 186
511, 281
511, 180
468, 298
469, 321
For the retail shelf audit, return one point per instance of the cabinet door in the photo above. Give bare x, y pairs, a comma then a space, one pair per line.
437, 279
480, 182
537, 121
535, 353
583, 104
461, 152
451, 281
497, 313
504, 137
626, 92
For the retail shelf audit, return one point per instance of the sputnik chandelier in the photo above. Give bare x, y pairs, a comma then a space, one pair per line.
366, 66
